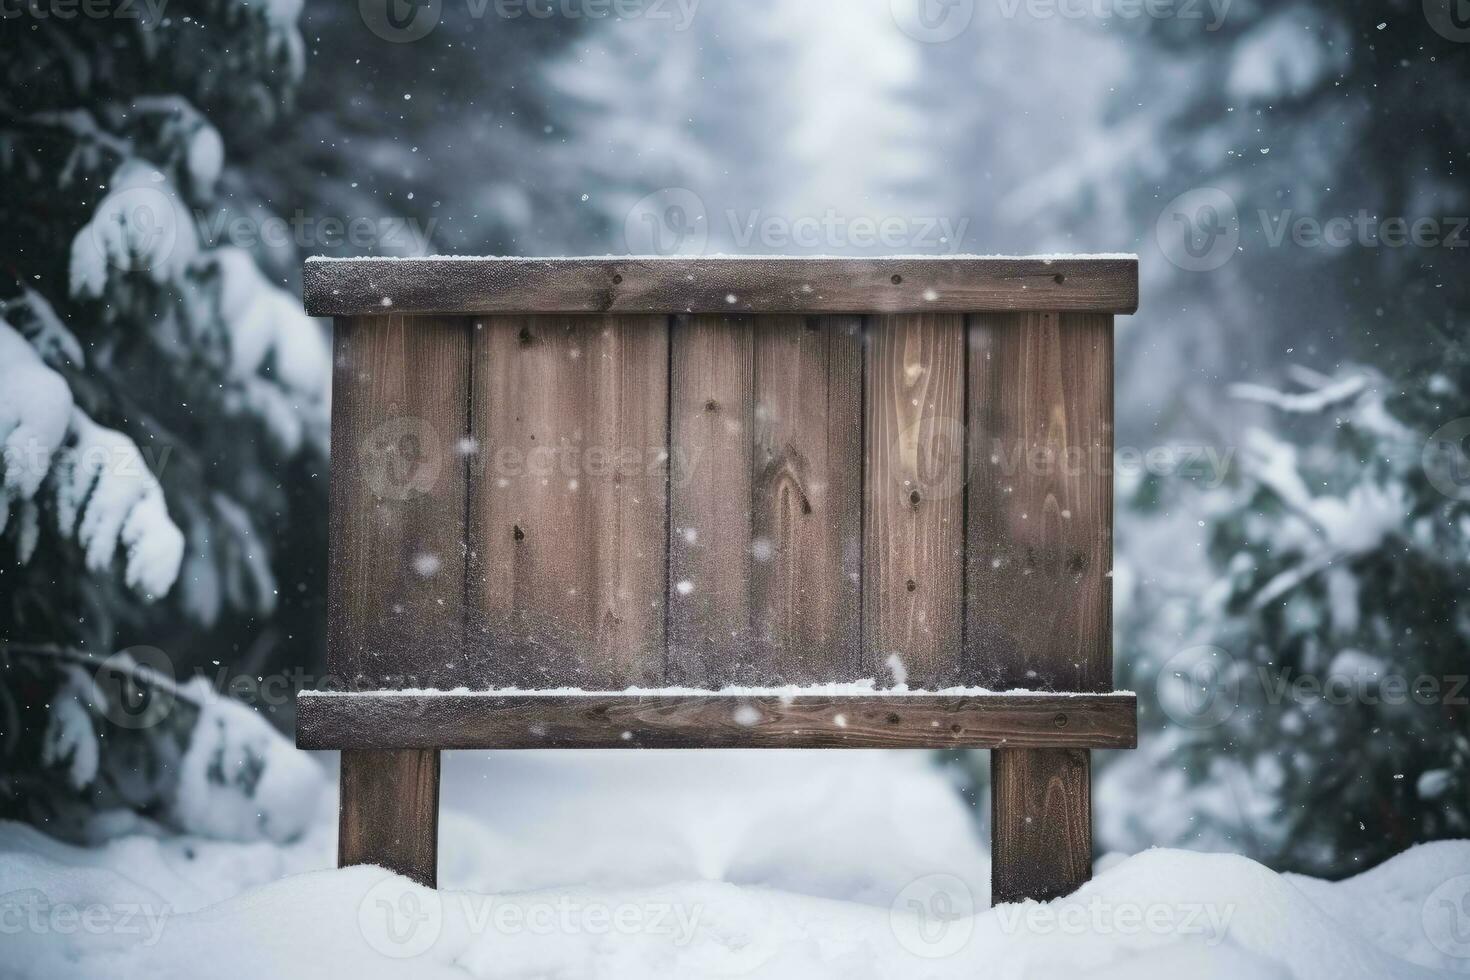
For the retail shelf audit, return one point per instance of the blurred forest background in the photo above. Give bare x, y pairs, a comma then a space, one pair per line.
1292, 476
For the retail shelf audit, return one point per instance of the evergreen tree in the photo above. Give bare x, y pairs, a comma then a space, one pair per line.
163, 401
1317, 711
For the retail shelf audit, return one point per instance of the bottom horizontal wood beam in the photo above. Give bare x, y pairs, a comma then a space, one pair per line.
593, 720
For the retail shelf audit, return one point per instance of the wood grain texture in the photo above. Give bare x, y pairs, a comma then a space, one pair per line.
390, 812
765, 551
1039, 597
567, 501
640, 284
913, 507
1041, 823
617, 721
806, 499
712, 447
1039, 555
397, 499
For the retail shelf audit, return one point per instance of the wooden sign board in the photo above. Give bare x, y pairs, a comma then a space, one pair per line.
623, 503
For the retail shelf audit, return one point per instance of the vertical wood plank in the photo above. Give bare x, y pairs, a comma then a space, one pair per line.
1039, 599
390, 811
1041, 823
568, 501
765, 546
806, 499
397, 533
1041, 501
712, 447
913, 535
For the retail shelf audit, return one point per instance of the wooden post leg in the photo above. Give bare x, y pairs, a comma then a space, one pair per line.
390, 811
1041, 823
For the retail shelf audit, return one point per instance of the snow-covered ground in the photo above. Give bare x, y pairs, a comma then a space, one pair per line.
713, 864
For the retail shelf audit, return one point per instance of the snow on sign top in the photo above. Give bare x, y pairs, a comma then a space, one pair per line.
730, 257
850, 689
1104, 284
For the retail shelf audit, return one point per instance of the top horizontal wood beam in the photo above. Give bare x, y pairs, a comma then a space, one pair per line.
640, 284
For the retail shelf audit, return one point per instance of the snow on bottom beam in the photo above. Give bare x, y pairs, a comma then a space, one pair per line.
614, 720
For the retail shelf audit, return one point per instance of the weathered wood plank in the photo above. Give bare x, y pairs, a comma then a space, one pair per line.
1039, 597
766, 544
1041, 822
568, 501
1039, 555
913, 516
397, 533
614, 720
390, 811
712, 447
639, 284
806, 499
